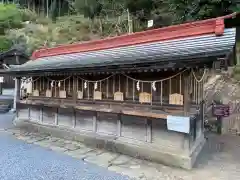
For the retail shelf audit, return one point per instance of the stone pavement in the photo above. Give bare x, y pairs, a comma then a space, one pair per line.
220, 159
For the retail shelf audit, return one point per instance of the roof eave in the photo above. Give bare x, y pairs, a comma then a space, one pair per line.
13, 52
171, 64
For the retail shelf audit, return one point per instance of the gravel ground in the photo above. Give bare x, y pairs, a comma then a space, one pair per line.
47, 157
22, 161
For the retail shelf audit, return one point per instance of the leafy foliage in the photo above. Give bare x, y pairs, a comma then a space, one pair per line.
72, 21
189, 10
10, 17
5, 43
65, 30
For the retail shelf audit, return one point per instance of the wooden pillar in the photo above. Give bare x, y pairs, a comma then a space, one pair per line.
17, 59
16, 92
75, 89
186, 95
1, 87
238, 53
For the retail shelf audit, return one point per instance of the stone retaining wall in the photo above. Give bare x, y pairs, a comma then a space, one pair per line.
147, 138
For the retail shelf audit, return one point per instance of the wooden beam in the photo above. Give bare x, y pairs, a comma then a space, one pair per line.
139, 113
186, 95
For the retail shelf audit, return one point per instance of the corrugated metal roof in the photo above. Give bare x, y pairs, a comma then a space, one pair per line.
190, 29
201, 46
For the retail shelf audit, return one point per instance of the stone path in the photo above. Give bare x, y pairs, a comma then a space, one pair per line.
219, 160
26, 161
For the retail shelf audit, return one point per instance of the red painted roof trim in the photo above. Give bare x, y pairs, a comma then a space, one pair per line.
196, 28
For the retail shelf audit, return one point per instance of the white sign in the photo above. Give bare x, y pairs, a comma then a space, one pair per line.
150, 23
178, 123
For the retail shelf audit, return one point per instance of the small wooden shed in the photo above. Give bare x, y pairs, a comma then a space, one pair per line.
11, 57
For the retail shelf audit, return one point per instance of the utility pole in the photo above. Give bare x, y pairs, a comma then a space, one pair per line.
130, 24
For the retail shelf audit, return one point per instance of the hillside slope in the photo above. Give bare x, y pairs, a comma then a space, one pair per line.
225, 88
43, 32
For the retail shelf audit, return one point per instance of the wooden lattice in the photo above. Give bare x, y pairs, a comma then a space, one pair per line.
118, 96
145, 97
176, 99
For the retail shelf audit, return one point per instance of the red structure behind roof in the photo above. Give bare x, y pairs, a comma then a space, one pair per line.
196, 28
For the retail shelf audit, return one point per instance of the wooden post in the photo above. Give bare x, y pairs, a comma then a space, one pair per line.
149, 130
119, 126
186, 96
75, 89
219, 124
16, 92
74, 118
107, 89
133, 89
95, 122
161, 96
28, 109
1, 88
56, 117
170, 86
41, 115
127, 87
238, 54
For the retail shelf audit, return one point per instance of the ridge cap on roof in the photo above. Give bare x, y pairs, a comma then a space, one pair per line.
216, 26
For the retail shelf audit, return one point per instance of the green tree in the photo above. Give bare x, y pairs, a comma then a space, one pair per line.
10, 18
5, 43
188, 10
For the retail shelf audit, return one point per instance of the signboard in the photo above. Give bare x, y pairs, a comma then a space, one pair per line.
178, 124
221, 110
150, 23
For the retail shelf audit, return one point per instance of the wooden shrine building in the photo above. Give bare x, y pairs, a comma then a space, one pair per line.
8, 58
139, 94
